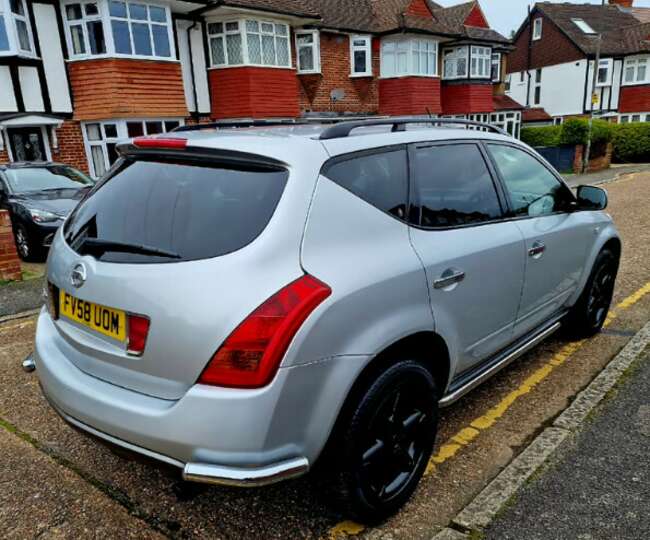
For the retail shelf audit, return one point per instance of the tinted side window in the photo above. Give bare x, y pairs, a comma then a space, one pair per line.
533, 189
454, 186
380, 179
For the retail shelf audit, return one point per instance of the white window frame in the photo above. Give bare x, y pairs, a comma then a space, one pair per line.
636, 64
480, 57
509, 121
366, 48
537, 28
496, 60
109, 42
583, 26
451, 57
405, 48
122, 135
629, 117
608, 64
242, 31
10, 23
315, 50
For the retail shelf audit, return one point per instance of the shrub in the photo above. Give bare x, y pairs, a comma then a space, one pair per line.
541, 136
576, 131
632, 142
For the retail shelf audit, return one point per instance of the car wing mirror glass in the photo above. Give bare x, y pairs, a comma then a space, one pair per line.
591, 198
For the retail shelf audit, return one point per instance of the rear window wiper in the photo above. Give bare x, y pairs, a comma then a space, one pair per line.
98, 246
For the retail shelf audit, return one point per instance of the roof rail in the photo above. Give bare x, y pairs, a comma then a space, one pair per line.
399, 123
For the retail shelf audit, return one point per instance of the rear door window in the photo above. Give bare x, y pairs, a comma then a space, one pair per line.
187, 209
453, 186
379, 178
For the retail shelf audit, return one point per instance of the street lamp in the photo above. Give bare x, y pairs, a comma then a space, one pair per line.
585, 163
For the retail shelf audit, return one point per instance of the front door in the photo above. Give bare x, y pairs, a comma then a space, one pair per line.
474, 260
556, 238
27, 144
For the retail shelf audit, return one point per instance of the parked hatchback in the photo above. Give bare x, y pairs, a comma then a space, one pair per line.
241, 304
39, 196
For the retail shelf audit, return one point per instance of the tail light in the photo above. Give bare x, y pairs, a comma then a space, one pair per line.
138, 328
251, 355
159, 142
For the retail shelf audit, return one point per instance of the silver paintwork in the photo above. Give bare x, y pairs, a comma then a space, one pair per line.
477, 288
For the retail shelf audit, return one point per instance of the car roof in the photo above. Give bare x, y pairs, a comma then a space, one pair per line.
290, 142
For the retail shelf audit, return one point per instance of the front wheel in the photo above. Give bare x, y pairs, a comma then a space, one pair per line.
589, 314
24, 244
387, 441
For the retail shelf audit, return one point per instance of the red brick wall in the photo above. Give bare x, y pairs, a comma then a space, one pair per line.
418, 7
71, 146
9, 261
257, 92
361, 93
466, 98
4, 156
634, 99
476, 18
409, 95
123, 88
553, 48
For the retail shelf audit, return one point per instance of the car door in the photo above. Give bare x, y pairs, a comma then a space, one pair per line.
474, 259
556, 238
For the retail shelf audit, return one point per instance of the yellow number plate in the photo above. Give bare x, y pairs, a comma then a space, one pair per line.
108, 321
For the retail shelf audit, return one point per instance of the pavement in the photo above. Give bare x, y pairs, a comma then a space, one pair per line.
478, 437
598, 485
614, 172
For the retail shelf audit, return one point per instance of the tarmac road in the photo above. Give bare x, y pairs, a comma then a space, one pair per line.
59, 484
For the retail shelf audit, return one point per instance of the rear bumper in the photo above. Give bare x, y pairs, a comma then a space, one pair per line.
215, 435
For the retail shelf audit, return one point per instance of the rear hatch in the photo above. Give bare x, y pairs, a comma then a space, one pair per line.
180, 247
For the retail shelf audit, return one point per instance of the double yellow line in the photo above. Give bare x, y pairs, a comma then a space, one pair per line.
467, 434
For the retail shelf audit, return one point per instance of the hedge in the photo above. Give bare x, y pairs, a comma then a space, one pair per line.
541, 136
632, 142
576, 131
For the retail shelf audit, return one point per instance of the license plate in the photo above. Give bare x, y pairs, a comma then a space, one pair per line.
108, 321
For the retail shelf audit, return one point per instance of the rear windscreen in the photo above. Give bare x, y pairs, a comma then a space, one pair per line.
187, 210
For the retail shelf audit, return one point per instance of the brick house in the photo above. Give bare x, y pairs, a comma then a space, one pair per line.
551, 71
76, 76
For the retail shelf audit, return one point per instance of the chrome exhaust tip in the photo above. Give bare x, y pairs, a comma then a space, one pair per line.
28, 364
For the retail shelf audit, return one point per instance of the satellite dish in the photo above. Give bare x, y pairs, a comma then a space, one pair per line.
337, 94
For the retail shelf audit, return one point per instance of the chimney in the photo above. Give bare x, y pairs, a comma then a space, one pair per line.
622, 3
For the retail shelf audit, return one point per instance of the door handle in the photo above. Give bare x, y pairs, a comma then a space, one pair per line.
537, 250
449, 277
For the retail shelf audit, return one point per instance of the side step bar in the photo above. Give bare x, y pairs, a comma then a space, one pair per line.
499, 362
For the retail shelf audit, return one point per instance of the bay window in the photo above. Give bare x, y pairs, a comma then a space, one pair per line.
249, 42
361, 56
496, 67
4, 36
308, 51
118, 28
636, 71
409, 56
481, 62
455, 63
101, 138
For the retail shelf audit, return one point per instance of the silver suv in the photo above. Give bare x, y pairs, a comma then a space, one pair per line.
240, 303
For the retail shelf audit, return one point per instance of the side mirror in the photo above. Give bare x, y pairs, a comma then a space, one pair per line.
591, 198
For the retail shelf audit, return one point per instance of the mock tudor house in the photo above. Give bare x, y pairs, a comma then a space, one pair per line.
77, 76
552, 69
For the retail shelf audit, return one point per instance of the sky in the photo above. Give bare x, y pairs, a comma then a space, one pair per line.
507, 15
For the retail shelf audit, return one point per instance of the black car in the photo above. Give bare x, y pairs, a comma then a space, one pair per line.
39, 196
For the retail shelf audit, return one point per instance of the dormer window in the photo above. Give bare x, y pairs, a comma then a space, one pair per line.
116, 28
15, 29
537, 28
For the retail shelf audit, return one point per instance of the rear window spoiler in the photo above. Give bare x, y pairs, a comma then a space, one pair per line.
207, 156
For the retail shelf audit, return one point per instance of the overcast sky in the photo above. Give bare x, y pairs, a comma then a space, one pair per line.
507, 15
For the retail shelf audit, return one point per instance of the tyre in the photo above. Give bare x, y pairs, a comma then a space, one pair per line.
385, 442
25, 246
588, 315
